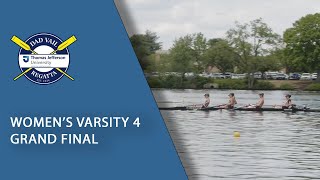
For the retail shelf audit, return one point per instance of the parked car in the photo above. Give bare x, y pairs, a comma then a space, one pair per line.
238, 76
242, 76
172, 74
189, 74
294, 76
305, 76
153, 74
218, 76
227, 75
257, 75
235, 76
280, 76
206, 75
314, 76
270, 75
287, 76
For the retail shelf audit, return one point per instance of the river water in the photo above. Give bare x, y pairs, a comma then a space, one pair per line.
272, 145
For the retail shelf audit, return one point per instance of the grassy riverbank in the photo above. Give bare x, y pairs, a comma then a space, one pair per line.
173, 82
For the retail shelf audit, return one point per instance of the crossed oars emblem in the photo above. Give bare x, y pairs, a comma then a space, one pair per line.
26, 47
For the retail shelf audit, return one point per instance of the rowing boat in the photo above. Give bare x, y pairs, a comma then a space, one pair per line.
185, 108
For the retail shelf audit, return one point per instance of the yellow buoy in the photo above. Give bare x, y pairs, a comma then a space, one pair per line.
236, 134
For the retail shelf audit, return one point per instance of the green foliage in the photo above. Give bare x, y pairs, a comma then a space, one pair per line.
271, 62
303, 43
199, 82
251, 42
199, 46
313, 87
263, 85
231, 83
145, 45
155, 82
175, 82
286, 86
212, 42
248, 48
172, 82
159, 63
140, 48
242, 84
182, 54
152, 41
246, 80
221, 55
187, 53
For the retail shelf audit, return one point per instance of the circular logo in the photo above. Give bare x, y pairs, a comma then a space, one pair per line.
43, 59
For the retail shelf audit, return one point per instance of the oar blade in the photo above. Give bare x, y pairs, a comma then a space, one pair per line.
66, 43
20, 43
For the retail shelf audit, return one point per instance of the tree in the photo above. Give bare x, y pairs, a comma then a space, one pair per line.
251, 41
138, 42
199, 46
221, 55
212, 42
145, 45
159, 63
182, 55
270, 62
152, 41
303, 43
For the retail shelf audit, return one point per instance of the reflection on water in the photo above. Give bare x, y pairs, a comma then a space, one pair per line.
273, 145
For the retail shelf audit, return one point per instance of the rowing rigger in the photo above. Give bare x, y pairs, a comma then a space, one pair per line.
185, 108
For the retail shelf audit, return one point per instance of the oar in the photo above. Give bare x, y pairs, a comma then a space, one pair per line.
65, 44
64, 73
217, 106
22, 44
247, 106
23, 73
194, 106
26, 47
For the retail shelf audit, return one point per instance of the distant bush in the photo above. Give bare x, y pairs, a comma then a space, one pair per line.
242, 84
198, 82
263, 85
172, 82
175, 82
313, 87
154, 82
286, 87
231, 83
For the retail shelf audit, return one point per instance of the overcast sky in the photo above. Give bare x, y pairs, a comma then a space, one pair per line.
171, 19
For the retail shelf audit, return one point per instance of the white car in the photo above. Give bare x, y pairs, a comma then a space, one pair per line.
189, 74
218, 76
305, 76
314, 76
287, 76
257, 75
238, 76
270, 75
205, 75
234, 76
281, 76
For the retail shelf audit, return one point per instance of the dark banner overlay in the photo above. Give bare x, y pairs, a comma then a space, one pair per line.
97, 119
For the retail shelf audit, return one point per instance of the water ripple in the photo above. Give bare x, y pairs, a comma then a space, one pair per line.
273, 145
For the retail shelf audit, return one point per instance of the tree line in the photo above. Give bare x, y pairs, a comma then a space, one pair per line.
247, 48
